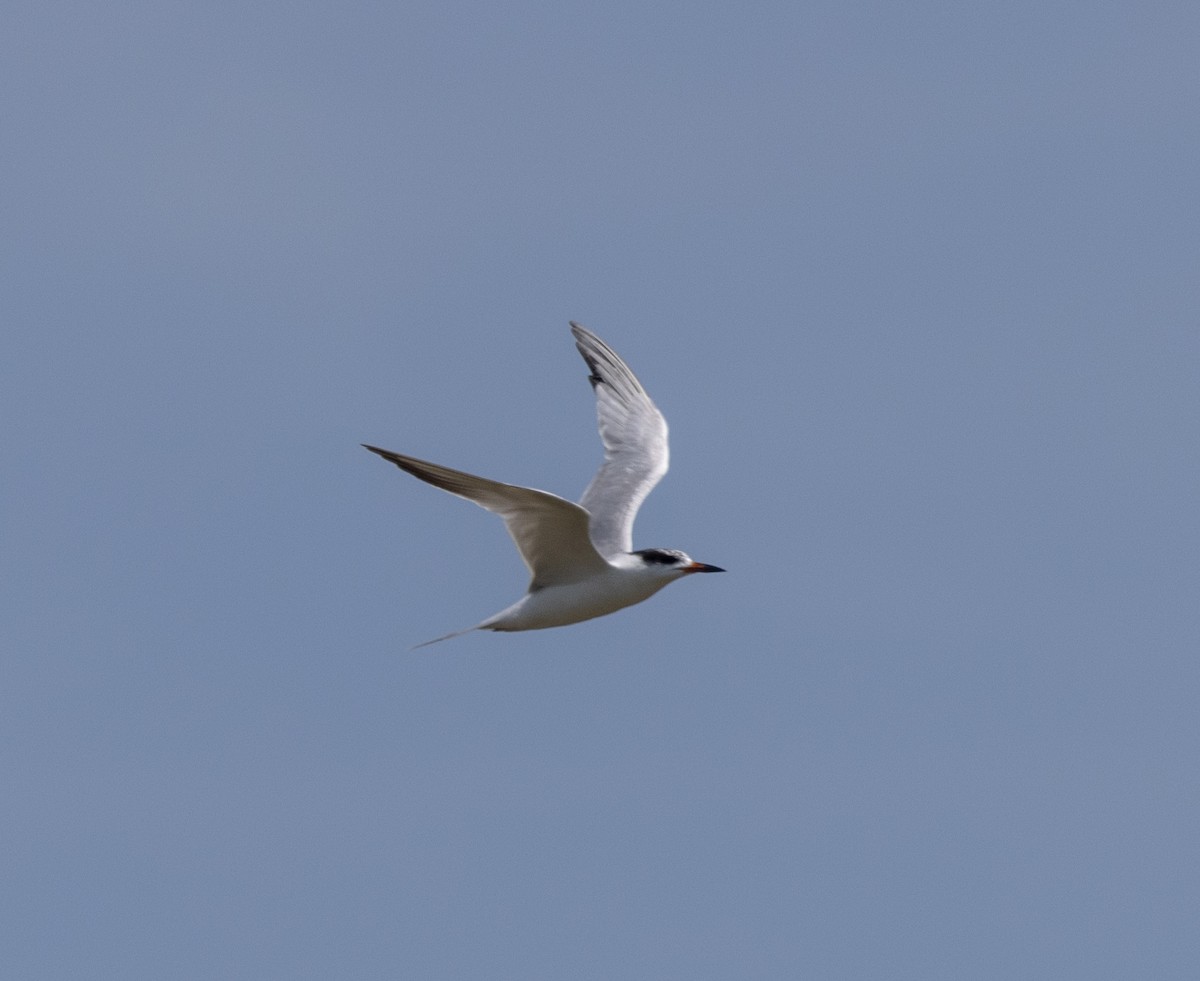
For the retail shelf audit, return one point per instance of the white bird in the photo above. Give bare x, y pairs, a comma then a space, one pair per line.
580, 556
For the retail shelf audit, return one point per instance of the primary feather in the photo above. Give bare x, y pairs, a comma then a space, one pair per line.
634, 434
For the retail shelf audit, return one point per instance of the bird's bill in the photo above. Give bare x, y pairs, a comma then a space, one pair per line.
701, 567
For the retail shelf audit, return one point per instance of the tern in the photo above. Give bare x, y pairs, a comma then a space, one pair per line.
580, 556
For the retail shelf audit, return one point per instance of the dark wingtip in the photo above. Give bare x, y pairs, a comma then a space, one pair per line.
382, 454
577, 329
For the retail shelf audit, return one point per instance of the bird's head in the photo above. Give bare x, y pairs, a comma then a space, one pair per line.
672, 562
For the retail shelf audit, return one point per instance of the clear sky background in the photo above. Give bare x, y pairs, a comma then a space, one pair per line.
917, 287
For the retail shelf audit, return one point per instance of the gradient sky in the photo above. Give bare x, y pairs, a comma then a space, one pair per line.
917, 288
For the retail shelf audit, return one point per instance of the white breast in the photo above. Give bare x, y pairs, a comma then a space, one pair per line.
556, 606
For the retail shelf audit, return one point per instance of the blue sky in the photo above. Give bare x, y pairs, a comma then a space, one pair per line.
915, 286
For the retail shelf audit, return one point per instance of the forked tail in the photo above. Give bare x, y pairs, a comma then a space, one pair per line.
437, 640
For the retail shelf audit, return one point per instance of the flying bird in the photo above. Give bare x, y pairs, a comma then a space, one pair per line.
580, 556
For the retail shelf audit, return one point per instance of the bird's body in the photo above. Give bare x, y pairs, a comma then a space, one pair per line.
579, 555
622, 584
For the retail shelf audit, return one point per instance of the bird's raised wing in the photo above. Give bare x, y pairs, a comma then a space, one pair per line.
634, 434
551, 533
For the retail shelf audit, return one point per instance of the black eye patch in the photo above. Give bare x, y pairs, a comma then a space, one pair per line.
658, 556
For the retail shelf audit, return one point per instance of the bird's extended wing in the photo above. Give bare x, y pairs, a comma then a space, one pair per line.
551, 533
634, 434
